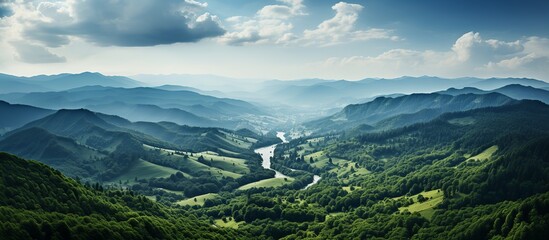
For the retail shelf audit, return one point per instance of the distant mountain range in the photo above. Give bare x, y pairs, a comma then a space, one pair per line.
515, 91
330, 93
145, 104
16, 115
189, 99
405, 110
65, 81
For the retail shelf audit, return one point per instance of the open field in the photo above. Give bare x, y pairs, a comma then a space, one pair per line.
230, 223
235, 165
221, 166
144, 170
348, 188
485, 155
270, 182
426, 208
200, 199
238, 141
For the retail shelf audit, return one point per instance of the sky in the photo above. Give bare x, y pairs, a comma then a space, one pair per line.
277, 39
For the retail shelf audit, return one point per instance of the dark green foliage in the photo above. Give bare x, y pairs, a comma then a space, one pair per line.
38, 202
503, 196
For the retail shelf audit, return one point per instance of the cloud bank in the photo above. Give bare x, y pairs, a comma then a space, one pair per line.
123, 22
272, 25
269, 25
470, 55
340, 28
46, 25
31, 53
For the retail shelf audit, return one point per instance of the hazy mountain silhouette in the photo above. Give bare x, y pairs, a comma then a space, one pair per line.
409, 109
515, 91
17, 115
65, 81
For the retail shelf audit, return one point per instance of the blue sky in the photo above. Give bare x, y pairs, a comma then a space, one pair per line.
282, 39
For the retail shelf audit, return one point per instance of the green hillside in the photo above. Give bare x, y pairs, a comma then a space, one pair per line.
410, 183
59, 152
405, 110
37, 202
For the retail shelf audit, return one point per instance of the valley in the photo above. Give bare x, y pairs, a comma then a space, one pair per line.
399, 166
274, 120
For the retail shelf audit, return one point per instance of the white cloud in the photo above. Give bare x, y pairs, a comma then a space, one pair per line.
271, 24
43, 25
31, 53
292, 8
122, 23
341, 28
470, 55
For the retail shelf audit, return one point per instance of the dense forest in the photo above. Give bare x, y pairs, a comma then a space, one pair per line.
38, 202
477, 174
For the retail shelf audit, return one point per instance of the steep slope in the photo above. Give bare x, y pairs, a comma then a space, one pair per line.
38, 202
418, 107
103, 147
121, 146
71, 122
520, 92
16, 115
223, 112
59, 152
152, 113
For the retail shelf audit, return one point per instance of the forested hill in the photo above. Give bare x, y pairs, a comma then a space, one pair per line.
478, 174
37, 202
409, 109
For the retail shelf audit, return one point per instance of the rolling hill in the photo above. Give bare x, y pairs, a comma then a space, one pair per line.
103, 147
59, 152
38, 202
406, 109
331, 93
184, 107
454, 177
16, 115
153, 113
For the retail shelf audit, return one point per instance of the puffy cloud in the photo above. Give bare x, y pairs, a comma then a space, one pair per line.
473, 49
270, 24
31, 53
533, 55
122, 23
293, 8
340, 28
469, 55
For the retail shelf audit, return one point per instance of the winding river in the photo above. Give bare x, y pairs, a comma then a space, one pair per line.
266, 154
